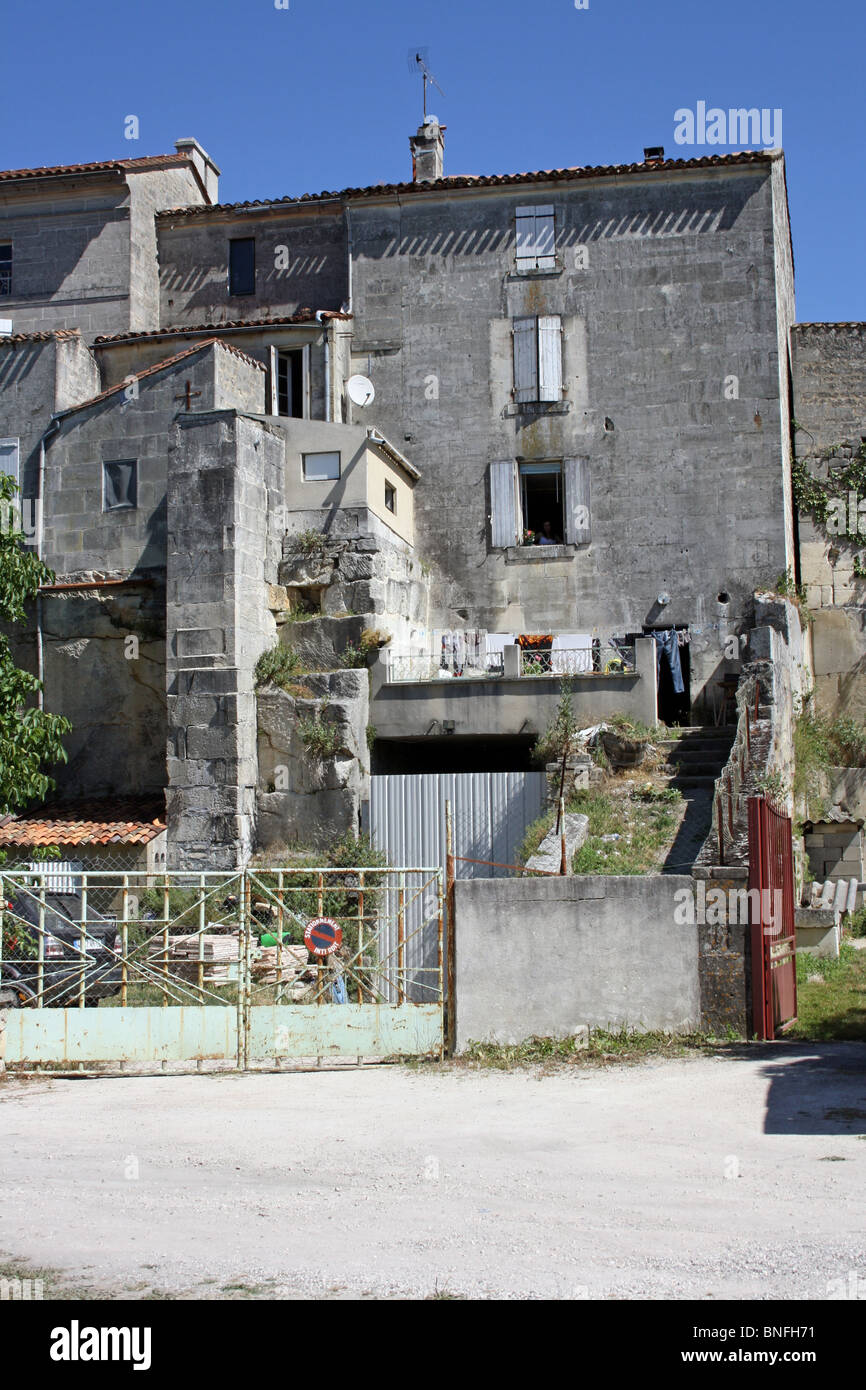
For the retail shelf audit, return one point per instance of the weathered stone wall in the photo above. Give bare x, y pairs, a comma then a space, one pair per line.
225, 480
681, 292
304, 798
80, 537
104, 668
829, 384
310, 272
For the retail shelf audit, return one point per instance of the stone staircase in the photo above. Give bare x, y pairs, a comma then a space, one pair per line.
695, 758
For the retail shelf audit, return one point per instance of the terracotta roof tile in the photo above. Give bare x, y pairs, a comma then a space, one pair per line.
302, 316
113, 822
100, 167
714, 161
46, 336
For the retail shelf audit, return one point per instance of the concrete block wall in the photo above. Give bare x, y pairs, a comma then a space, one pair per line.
545, 957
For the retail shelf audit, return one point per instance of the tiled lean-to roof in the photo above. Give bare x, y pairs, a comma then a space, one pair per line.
115, 822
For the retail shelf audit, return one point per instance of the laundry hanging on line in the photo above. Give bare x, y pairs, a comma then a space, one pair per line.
667, 644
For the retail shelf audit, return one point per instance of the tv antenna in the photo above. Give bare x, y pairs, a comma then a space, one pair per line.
418, 63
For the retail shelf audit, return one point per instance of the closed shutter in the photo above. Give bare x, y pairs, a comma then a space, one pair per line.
545, 239
536, 240
503, 504
526, 359
273, 382
550, 358
9, 458
578, 522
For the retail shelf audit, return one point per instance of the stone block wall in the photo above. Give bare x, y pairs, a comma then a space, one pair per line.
224, 484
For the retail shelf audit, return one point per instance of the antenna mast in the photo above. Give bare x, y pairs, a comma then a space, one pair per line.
418, 63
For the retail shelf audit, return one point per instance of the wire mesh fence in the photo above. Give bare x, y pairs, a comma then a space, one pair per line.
76, 936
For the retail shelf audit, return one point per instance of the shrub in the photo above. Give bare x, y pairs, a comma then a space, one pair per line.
279, 666
321, 738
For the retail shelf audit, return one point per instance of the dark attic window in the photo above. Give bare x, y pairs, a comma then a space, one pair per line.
120, 485
242, 265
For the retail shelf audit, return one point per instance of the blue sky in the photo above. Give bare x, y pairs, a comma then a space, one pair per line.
319, 95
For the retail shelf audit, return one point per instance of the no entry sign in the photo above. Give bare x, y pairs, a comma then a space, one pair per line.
323, 936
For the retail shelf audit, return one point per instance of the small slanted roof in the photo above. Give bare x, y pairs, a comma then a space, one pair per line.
107, 166
121, 821
161, 367
179, 331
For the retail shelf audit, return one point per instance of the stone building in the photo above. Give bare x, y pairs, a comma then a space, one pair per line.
341, 424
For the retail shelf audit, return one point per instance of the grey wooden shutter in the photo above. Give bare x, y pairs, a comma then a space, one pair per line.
526, 255
550, 358
545, 239
526, 359
503, 504
578, 521
536, 238
9, 458
273, 382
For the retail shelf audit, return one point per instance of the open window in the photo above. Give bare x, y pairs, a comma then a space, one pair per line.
538, 359
289, 382
523, 496
5, 268
541, 501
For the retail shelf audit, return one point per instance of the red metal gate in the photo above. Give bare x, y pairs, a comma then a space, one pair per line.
771, 904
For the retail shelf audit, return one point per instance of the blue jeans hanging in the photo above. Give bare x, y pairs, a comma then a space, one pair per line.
667, 642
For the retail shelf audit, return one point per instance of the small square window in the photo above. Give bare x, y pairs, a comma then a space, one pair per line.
5, 269
242, 265
120, 485
391, 498
321, 468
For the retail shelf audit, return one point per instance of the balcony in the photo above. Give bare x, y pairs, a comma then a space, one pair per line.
487, 689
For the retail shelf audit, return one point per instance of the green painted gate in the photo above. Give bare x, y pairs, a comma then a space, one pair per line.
102, 967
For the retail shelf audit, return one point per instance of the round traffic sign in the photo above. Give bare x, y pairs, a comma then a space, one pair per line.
323, 936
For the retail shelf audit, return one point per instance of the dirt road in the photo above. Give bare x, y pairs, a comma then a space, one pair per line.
706, 1177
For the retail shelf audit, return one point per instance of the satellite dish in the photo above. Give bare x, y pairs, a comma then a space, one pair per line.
361, 390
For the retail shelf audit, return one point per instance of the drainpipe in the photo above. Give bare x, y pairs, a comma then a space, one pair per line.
48, 435
320, 318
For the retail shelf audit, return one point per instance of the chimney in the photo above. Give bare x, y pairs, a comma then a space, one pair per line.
204, 165
428, 151
654, 154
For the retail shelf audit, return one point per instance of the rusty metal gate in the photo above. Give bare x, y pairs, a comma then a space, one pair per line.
773, 932
129, 967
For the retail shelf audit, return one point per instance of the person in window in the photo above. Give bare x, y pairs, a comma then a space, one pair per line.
546, 536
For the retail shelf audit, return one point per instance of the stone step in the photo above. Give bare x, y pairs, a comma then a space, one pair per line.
693, 780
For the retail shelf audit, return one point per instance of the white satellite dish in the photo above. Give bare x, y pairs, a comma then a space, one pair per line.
361, 390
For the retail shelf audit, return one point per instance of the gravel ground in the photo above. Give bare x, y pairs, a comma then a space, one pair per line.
737, 1176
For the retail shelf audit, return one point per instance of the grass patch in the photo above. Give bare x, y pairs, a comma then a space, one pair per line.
821, 743
645, 821
832, 1007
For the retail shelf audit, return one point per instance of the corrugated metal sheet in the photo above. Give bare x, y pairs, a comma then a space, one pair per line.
490, 812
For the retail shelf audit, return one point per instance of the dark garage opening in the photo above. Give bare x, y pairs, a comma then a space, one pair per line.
452, 753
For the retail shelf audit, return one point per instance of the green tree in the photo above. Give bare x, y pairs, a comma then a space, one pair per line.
29, 737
